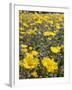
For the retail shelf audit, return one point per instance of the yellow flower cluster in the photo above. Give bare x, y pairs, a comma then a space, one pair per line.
49, 64
29, 62
37, 32
49, 33
39, 18
24, 48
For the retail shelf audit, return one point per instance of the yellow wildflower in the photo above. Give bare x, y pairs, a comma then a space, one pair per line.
55, 49
49, 33
39, 21
24, 46
50, 22
29, 62
35, 53
60, 19
23, 33
26, 25
31, 32
21, 28
58, 26
29, 56
24, 50
30, 48
49, 64
34, 74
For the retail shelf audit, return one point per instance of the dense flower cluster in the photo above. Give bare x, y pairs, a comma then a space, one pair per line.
41, 44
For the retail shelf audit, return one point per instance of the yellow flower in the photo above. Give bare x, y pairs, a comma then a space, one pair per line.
55, 49
58, 26
30, 48
29, 55
34, 74
26, 25
24, 50
50, 22
49, 64
31, 32
49, 34
24, 46
39, 22
29, 62
21, 28
35, 53
23, 33
59, 19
